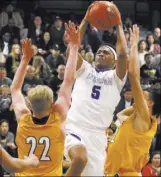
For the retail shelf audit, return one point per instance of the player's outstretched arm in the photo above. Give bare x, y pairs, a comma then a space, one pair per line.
134, 76
12, 165
122, 50
64, 97
82, 29
18, 100
85, 21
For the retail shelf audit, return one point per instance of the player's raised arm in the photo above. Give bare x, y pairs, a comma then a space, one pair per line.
64, 97
82, 29
122, 51
18, 100
134, 76
12, 165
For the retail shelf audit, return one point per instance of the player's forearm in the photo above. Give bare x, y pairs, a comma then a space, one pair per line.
11, 164
17, 165
134, 76
121, 45
134, 69
19, 76
70, 69
122, 53
83, 27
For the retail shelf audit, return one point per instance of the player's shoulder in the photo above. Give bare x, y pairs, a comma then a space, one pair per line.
25, 119
54, 116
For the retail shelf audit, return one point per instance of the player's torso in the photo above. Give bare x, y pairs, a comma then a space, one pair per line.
94, 98
45, 141
133, 144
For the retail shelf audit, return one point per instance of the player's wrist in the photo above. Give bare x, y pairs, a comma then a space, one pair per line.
74, 45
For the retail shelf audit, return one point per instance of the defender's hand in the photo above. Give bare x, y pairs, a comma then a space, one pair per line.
32, 160
134, 35
72, 34
27, 49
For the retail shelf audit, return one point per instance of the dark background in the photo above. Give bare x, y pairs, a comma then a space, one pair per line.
145, 12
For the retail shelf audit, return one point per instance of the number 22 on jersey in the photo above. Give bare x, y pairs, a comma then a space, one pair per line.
41, 141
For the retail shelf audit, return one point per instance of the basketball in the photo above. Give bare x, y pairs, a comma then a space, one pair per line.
104, 15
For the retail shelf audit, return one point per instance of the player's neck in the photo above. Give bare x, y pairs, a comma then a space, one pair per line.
40, 116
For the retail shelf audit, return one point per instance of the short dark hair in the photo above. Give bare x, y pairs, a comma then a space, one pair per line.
4, 120
141, 42
150, 34
127, 89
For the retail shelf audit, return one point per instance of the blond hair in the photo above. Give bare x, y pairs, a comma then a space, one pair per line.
13, 54
14, 57
37, 63
40, 98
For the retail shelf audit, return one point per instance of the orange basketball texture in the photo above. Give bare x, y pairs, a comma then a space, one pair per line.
104, 15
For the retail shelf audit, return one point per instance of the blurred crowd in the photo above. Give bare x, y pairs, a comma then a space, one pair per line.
48, 64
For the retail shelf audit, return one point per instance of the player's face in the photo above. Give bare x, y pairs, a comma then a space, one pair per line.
104, 58
156, 160
4, 128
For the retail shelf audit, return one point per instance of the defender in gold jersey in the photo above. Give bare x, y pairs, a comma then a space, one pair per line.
129, 152
42, 132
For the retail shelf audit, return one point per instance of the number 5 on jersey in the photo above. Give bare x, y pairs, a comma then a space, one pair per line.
41, 141
96, 92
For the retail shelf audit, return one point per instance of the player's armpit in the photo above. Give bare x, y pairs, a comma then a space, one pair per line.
121, 65
120, 82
